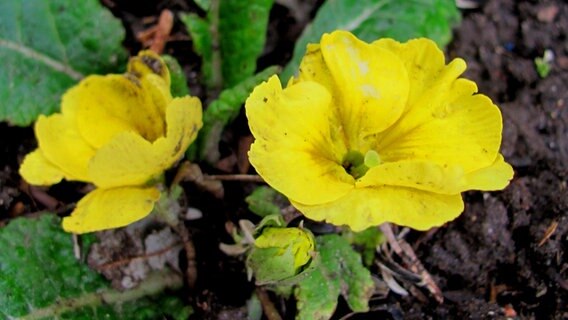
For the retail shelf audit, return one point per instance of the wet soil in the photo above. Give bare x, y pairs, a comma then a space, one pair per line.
505, 257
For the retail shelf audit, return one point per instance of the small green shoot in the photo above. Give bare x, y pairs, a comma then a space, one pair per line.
544, 64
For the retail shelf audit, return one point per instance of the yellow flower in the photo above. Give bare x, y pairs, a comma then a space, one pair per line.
119, 132
298, 242
379, 132
280, 254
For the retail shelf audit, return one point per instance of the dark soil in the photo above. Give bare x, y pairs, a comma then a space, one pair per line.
495, 254
505, 257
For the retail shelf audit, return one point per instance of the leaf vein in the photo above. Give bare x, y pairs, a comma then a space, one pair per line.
40, 57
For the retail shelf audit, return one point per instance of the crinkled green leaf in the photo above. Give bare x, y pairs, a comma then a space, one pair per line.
46, 46
222, 111
240, 27
40, 278
178, 80
373, 19
339, 272
262, 201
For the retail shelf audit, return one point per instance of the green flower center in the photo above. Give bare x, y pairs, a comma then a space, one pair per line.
357, 165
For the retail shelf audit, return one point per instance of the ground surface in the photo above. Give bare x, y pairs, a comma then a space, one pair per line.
505, 255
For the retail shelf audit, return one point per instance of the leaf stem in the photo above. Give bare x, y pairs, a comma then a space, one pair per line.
154, 284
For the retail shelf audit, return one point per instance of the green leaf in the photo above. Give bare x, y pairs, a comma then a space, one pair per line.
339, 272
198, 29
40, 278
178, 80
242, 32
373, 19
222, 111
238, 29
262, 201
203, 4
367, 241
46, 47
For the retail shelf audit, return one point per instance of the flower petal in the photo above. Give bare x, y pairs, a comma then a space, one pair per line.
62, 145
373, 85
421, 175
148, 62
423, 60
314, 69
428, 176
37, 170
463, 130
128, 159
294, 150
366, 207
494, 177
111, 208
107, 105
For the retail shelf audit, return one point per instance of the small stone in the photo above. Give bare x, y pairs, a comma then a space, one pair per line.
548, 13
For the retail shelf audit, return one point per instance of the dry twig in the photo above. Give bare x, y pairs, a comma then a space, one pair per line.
548, 233
235, 177
406, 253
125, 261
191, 270
267, 305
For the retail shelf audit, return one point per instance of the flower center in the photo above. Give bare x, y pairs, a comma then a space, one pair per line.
357, 165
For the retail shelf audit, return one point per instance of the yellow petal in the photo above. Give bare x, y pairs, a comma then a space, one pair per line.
128, 159
37, 170
423, 61
62, 145
111, 208
366, 207
465, 131
372, 82
314, 69
420, 175
149, 63
494, 177
294, 150
107, 105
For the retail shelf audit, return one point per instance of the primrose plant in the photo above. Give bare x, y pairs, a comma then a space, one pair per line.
368, 133
119, 132
365, 133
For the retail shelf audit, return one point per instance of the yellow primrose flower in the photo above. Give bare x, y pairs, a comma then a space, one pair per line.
119, 132
379, 132
299, 242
